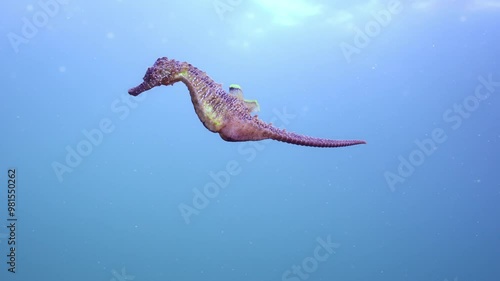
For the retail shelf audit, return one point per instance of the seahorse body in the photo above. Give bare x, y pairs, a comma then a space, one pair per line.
228, 114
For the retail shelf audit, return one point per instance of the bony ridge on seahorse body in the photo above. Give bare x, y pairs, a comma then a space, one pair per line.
228, 114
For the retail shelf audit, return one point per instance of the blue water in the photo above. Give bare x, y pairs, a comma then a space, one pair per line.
114, 188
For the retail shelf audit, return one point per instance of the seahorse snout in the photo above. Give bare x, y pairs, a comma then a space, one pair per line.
139, 89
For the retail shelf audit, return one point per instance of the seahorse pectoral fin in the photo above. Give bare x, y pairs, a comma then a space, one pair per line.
235, 89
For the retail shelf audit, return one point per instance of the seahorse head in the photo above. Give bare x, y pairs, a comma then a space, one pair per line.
163, 72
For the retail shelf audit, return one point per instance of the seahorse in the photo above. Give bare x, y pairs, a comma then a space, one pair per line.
227, 114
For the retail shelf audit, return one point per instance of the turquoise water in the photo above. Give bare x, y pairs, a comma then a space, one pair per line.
112, 187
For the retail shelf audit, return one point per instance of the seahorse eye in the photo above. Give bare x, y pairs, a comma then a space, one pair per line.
154, 76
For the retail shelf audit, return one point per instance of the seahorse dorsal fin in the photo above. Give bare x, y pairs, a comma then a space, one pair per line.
252, 105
